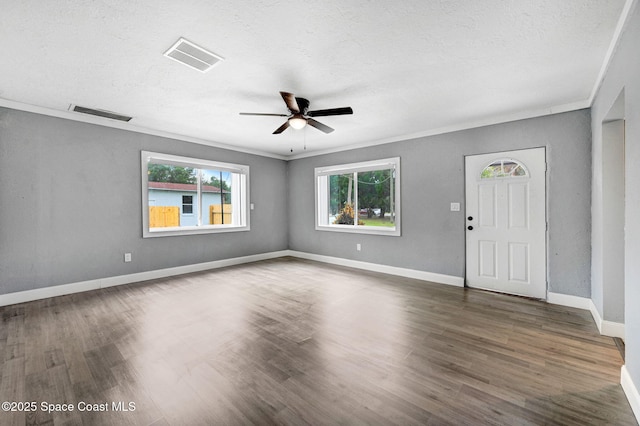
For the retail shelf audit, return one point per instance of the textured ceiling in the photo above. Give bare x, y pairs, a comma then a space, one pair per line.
407, 68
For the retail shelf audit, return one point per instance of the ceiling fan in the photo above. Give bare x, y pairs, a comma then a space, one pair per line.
299, 114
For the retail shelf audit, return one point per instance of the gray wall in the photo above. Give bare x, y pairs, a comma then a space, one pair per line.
432, 169
623, 74
70, 204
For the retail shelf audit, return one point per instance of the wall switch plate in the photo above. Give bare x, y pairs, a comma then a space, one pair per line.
455, 207
127, 257
358, 246
251, 206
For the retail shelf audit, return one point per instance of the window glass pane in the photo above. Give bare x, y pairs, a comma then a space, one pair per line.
167, 185
503, 168
193, 196
341, 199
359, 197
375, 195
187, 204
519, 171
216, 197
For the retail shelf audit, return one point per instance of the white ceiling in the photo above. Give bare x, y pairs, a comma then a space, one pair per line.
407, 68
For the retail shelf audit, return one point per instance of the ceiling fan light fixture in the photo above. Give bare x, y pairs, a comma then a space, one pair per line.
299, 115
297, 122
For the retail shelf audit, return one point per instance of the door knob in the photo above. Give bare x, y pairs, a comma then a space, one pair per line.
470, 228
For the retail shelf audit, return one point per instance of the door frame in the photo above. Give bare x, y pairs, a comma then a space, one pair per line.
546, 209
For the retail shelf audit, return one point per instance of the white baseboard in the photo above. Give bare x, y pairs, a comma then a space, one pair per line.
631, 391
606, 328
596, 315
612, 329
570, 301
61, 290
392, 270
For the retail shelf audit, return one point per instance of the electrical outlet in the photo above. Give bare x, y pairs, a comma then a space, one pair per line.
455, 207
358, 246
127, 257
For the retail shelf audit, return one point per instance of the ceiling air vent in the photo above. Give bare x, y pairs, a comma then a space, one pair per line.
101, 113
193, 56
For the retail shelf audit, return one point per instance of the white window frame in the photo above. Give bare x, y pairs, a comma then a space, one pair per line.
321, 183
239, 195
187, 204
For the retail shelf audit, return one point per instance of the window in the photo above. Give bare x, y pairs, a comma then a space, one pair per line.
359, 197
187, 204
182, 195
504, 168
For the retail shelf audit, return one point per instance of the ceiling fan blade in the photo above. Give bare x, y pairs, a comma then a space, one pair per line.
264, 113
331, 111
282, 128
318, 125
291, 102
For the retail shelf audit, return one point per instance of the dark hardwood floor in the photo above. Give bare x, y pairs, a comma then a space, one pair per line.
294, 342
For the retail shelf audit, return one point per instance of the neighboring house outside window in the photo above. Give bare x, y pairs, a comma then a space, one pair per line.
176, 194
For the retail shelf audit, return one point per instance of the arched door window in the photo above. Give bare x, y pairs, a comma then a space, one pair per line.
504, 168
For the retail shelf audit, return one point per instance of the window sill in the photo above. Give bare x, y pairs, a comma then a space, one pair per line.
373, 230
192, 230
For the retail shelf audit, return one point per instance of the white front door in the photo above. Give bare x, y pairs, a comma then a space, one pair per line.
506, 222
